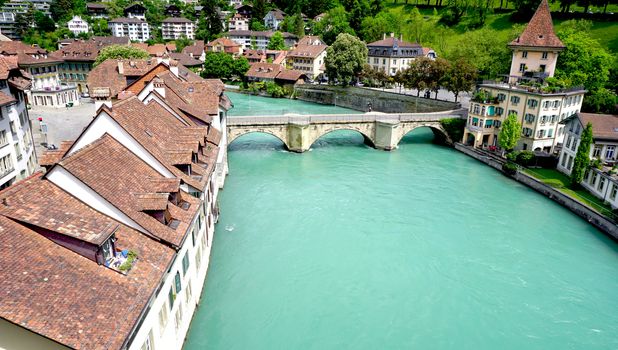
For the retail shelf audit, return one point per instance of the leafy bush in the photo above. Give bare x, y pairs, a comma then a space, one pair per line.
274, 90
128, 264
454, 128
512, 156
525, 158
509, 168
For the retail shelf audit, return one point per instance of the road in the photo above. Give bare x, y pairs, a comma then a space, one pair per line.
62, 123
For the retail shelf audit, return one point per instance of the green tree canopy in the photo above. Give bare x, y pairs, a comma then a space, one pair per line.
61, 9
582, 158
334, 23
461, 77
120, 52
345, 59
373, 28
43, 22
276, 42
509, 133
182, 43
218, 65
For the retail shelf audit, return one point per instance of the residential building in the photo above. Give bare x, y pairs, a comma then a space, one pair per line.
196, 50
238, 22
79, 57
250, 39
245, 10
319, 17
134, 28
46, 88
77, 25
172, 10
173, 28
138, 181
224, 45
21, 6
600, 180
17, 156
185, 60
135, 11
538, 106
308, 56
266, 56
97, 10
392, 54
7, 25
273, 19
235, 3
272, 72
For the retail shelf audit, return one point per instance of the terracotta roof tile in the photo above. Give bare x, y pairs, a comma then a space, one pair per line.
110, 77
311, 51
6, 99
184, 59
604, 126
194, 50
264, 70
51, 157
540, 30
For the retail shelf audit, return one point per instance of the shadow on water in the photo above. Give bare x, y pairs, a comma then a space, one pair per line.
422, 135
257, 141
340, 138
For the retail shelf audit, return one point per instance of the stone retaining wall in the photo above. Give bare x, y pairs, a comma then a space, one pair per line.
381, 101
598, 220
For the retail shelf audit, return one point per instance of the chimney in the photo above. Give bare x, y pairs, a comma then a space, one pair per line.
384, 36
120, 68
400, 37
392, 35
159, 88
174, 67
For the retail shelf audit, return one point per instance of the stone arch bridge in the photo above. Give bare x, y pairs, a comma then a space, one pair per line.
382, 131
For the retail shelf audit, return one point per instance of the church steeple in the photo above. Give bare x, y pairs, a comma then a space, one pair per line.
535, 51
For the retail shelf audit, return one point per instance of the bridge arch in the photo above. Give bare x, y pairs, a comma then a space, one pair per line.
325, 130
438, 131
233, 135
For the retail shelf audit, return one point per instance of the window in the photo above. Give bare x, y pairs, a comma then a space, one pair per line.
497, 123
178, 317
574, 145
171, 296
532, 103
550, 132
544, 55
529, 117
542, 68
188, 293
594, 178
501, 97
564, 158
601, 183
524, 54
570, 164
3, 139
522, 67
609, 152
148, 344
568, 141
499, 110
163, 315
515, 99
185, 264
541, 133
612, 194
546, 104
556, 104
596, 152
543, 119
511, 111
177, 283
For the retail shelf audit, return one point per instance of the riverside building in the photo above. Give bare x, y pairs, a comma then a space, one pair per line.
17, 157
109, 247
525, 93
392, 54
308, 56
601, 179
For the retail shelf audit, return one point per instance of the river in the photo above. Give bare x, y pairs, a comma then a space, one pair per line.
347, 247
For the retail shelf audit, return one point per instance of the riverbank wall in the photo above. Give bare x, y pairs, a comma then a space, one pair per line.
596, 219
362, 99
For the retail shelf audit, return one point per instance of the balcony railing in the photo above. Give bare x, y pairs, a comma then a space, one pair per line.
7, 171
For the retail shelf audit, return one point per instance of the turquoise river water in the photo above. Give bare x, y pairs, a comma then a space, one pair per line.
347, 247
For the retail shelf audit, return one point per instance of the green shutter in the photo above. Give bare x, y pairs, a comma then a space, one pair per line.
177, 280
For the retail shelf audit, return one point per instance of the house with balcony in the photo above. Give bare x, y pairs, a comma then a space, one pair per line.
539, 107
308, 56
46, 89
238, 22
224, 45
134, 28
17, 157
250, 39
196, 50
97, 10
601, 178
392, 54
273, 19
173, 28
135, 11
78, 26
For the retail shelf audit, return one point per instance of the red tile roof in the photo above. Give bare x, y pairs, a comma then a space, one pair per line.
194, 50
264, 70
604, 126
110, 77
61, 295
392, 42
540, 30
6, 99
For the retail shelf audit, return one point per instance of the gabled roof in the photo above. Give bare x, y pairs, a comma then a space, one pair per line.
110, 77
393, 42
184, 59
540, 30
177, 20
310, 51
63, 296
119, 176
127, 20
604, 126
264, 70
196, 49
277, 14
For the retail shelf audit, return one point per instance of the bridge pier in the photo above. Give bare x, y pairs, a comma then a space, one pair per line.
386, 138
298, 136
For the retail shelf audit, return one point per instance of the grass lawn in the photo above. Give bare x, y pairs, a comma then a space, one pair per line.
561, 182
605, 32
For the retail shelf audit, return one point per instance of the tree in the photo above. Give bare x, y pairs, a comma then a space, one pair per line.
25, 21
509, 133
334, 23
43, 22
99, 27
276, 42
120, 52
218, 65
182, 43
438, 73
61, 9
240, 67
461, 77
345, 59
259, 9
419, 28
358, 10
385, 22
582, 158
601, 101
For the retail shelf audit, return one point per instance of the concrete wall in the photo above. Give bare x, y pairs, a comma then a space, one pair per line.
599, 221
381, 101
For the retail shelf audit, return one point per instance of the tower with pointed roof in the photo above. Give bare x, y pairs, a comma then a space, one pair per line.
535, 51
538, 107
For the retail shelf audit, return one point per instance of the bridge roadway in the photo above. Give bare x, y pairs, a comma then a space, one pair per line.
380, 130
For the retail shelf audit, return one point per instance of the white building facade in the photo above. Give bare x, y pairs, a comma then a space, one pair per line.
174, 28
133, 28
77, 25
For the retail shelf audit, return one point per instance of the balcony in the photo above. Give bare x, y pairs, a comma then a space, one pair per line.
6, 172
